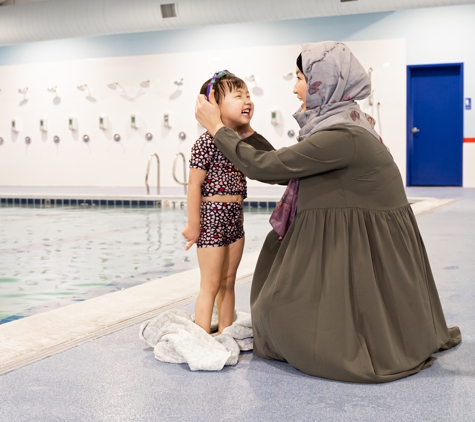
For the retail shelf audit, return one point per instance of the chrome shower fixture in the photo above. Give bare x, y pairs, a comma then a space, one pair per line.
83, 88
23, 91
179, 82
52, 88
255, 90
145, 84
115, 85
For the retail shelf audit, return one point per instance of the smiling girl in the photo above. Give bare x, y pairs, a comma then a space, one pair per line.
216, 192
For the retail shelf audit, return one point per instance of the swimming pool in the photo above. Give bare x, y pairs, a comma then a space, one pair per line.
54, 256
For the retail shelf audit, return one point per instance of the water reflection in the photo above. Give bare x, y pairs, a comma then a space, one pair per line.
51, 257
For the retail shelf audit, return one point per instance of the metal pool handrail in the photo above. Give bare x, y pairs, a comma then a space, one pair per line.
148, 171
184, 183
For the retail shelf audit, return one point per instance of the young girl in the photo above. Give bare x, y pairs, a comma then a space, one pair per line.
216, 190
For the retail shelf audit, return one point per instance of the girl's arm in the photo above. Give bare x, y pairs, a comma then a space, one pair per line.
192, 230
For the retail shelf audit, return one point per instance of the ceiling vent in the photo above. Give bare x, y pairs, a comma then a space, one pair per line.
168, 10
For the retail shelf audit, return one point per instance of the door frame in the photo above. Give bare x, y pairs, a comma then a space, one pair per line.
410, 122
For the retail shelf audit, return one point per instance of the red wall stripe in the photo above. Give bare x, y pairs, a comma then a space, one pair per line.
469, 139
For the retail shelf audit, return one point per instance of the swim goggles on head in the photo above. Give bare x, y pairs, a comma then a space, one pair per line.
214, 79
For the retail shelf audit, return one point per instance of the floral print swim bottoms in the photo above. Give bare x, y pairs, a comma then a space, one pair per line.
221, 223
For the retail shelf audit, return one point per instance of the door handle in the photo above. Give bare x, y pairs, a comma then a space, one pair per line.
415, 130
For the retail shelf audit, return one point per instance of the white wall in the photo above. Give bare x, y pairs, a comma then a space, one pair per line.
432, 35
104, 162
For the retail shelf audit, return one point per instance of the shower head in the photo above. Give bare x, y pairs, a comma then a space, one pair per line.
83, 88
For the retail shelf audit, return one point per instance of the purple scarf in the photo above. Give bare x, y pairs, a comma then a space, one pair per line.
284, 213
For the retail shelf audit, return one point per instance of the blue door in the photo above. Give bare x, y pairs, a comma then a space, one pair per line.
435, 125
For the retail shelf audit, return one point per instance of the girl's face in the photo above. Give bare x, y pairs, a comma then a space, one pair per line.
300, 88
236, 108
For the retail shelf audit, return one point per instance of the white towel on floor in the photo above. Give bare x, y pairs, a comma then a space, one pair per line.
175, 338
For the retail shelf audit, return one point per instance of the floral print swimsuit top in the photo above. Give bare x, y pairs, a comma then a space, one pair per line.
222, 177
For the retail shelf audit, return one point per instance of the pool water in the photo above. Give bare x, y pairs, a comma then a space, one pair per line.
51, 257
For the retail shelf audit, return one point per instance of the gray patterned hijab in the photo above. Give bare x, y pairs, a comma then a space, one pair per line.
335, 79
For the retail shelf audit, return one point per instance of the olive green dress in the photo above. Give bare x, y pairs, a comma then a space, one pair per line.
348, 294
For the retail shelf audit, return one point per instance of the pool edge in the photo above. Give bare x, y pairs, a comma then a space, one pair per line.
36, 337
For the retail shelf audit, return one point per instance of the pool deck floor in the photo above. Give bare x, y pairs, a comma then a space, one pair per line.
116, 377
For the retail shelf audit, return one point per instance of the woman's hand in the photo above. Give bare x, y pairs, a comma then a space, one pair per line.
191, 234
207, 113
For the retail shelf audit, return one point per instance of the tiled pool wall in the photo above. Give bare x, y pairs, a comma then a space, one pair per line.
83, 202
116, 203
129, 203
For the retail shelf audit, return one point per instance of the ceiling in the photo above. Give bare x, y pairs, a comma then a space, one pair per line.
24, 21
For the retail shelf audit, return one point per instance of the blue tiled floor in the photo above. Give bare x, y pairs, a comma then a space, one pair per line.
116, 378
